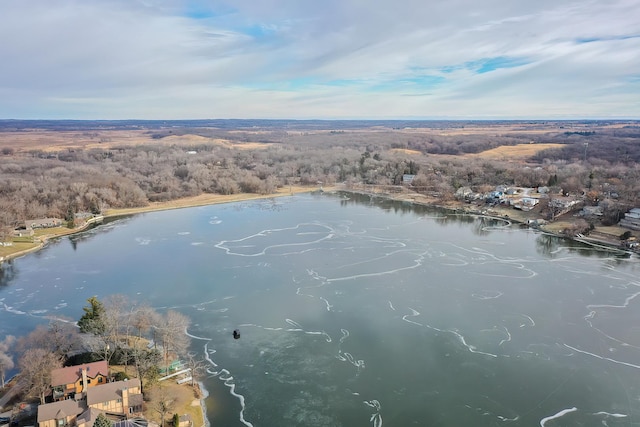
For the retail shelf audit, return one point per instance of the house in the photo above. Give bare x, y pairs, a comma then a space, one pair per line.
633, 214
407, 179
87, 418
631, 219
60, 414
119, 400
23, 232
495, 195
43, 223
67, 382
561, 205
120, 397
526, 203
591, 211
463, 193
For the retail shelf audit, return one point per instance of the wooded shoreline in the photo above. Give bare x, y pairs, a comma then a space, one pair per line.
188, 202
212, 199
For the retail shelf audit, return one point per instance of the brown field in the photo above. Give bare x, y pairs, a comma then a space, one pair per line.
53, 141
513, 152
405, 151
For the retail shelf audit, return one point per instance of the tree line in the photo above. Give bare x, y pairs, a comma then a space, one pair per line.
38, 184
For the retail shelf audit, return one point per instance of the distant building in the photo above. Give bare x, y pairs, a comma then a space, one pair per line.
526, 203
463, 193
591, 211
43, 223
407, 179
23, 232
631, 219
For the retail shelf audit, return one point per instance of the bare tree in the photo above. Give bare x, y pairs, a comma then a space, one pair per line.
142, 318
115, 318
162, 401
146, 361
6, 361
196, 366
63, 337
172, 331
60, 337
35, 370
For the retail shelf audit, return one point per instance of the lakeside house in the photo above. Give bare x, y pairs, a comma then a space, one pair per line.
23, 232
525, 203
117, 400
43, 223
631, 219
407, 179
72, 380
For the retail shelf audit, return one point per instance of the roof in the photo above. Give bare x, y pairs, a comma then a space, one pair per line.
136, 400
62, 409
110, 391
71, 374
42, 222
89, 416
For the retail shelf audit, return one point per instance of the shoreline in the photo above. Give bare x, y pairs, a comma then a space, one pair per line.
611, 243
188, 202
513, 216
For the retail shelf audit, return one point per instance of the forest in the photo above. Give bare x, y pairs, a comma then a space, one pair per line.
61, 168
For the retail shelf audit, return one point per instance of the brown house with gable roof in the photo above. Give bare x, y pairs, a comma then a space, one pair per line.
67, 382
119, 400
121, 397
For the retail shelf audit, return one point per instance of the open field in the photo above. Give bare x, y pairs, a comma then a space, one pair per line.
53, 168
513, 152
54, 141
405, 151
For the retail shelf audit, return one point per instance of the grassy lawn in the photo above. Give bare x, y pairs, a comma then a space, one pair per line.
185, 400
16, 247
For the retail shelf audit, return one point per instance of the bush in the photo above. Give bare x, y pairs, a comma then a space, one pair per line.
121, 376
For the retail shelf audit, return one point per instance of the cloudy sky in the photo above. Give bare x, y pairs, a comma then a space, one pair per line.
174, 59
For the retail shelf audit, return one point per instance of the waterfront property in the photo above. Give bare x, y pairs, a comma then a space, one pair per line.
118, 400
67, 382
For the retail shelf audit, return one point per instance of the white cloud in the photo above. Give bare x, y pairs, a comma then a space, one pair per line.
330, 59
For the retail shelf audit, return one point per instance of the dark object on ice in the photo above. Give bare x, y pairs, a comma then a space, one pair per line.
236, 334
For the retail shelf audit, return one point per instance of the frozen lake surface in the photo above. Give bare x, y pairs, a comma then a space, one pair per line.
362, 312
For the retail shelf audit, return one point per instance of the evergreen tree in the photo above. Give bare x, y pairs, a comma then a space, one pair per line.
92, 321
102, 421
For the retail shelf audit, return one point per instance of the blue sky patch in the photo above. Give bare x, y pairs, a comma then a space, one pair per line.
492, 64
202, 10
583, 40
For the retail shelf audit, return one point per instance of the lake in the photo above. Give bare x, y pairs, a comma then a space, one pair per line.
357, 311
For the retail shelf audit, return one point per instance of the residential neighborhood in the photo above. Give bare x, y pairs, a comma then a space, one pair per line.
71, 375
78, 394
